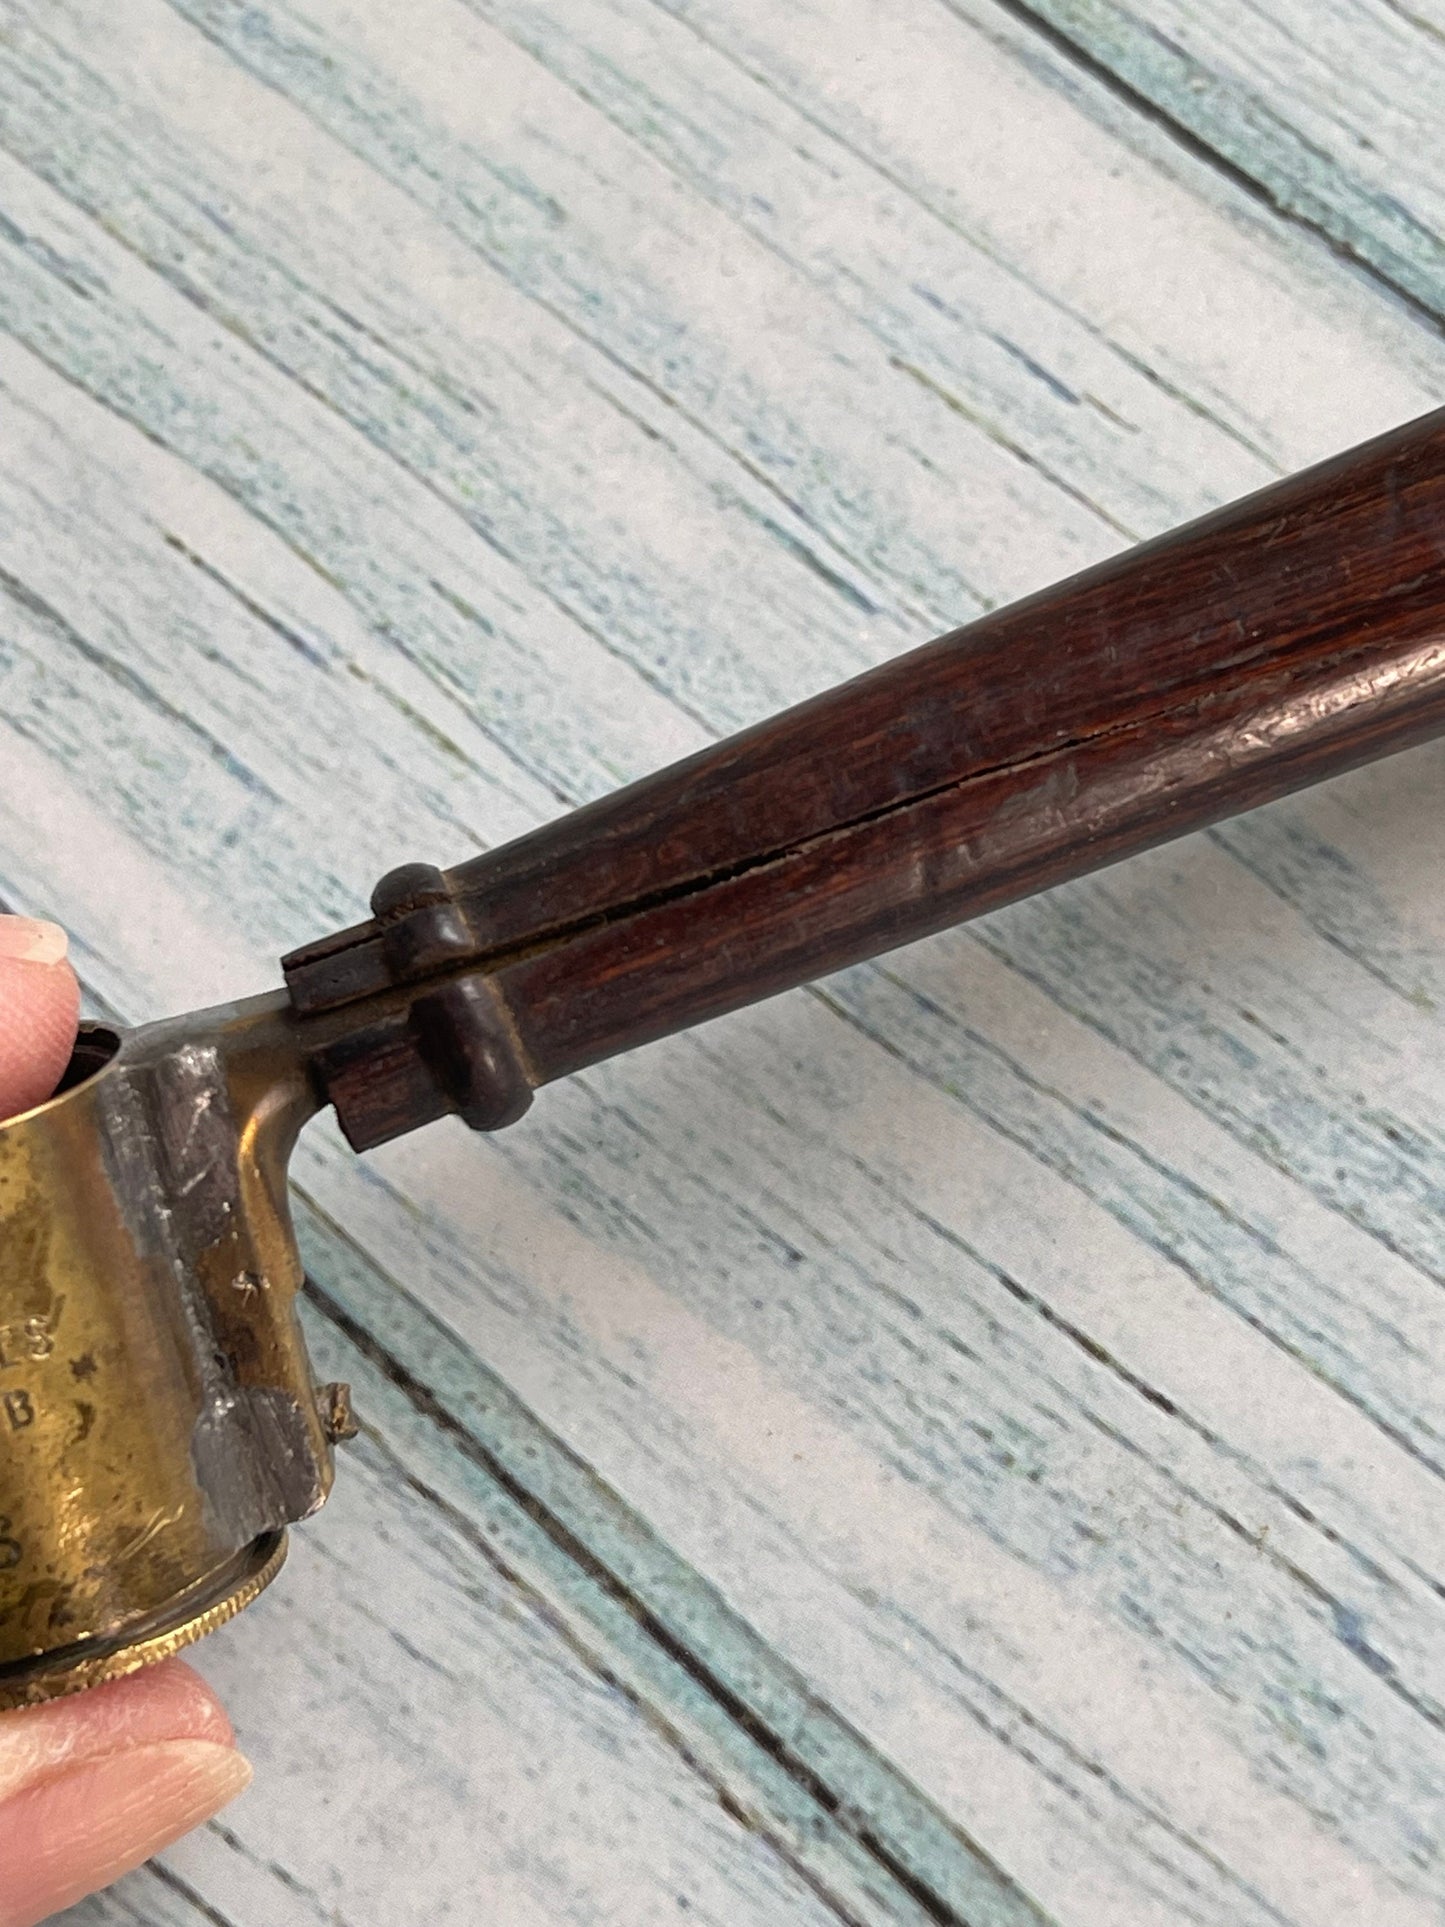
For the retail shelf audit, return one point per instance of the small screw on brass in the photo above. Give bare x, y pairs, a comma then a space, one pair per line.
337, 1418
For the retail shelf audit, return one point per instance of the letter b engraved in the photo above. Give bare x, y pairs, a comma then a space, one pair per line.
19, 1410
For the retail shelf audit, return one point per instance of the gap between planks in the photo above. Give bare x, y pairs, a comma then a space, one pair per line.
1251, 140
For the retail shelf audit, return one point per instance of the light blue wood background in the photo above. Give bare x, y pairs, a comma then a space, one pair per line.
963, 1444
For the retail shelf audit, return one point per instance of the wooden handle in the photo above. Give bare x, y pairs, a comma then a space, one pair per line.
1271, 644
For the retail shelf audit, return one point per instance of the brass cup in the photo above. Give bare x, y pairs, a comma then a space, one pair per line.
159, 1423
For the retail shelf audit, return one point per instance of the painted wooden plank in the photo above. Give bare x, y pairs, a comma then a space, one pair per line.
1334, 111
152, 1897
856, 1830
1028, 1344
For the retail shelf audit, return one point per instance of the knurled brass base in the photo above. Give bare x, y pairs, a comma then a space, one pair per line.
70, 1669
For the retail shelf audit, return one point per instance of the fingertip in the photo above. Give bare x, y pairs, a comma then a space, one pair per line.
173, 1694
94, 1784
39, 1011
73, 1833
167, 1701
162, 1703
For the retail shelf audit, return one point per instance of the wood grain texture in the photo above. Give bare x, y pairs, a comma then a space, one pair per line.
1285, 639
1009, 1376
1303, 617
1333, 112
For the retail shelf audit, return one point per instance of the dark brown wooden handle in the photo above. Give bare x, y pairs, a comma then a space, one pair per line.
1274, 643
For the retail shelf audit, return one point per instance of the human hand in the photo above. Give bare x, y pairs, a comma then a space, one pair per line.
93, 1785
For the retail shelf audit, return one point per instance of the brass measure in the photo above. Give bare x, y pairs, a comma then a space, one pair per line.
158, 1423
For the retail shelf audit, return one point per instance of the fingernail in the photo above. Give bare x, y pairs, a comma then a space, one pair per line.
29, 940
66, 1836
215, 1774
199, 1777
